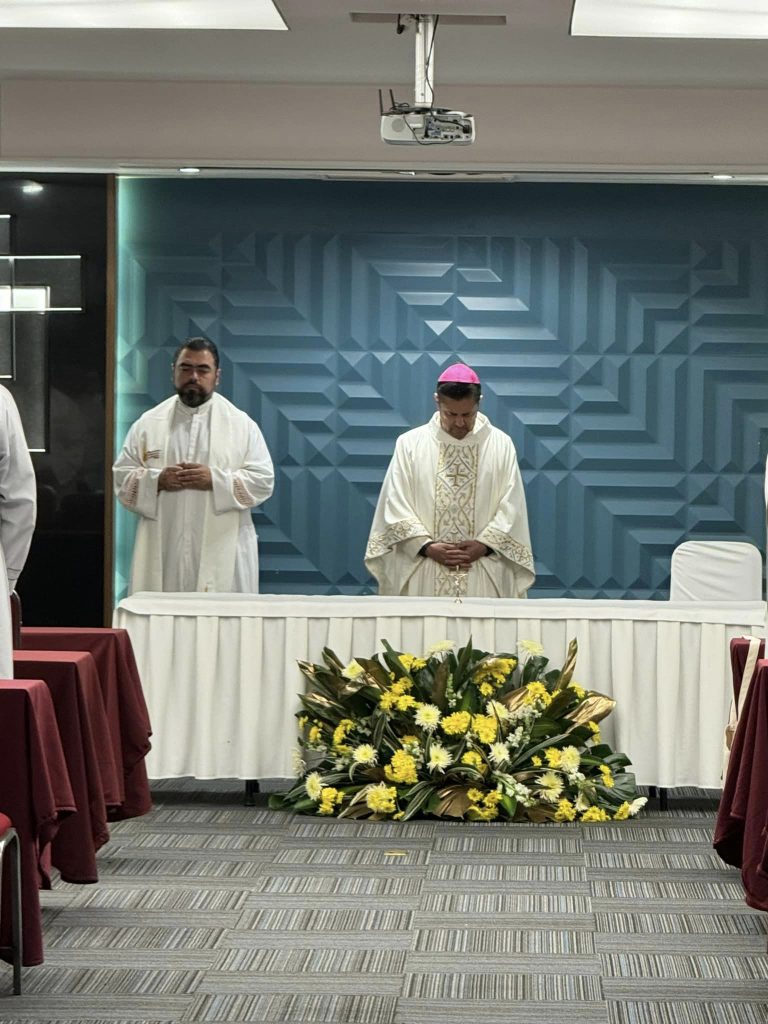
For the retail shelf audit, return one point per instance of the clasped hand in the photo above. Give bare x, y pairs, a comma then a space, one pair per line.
185, 476
458, 555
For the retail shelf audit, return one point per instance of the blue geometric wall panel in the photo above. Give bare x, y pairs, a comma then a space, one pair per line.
621, 334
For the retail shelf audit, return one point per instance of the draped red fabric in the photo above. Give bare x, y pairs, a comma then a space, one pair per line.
35, 792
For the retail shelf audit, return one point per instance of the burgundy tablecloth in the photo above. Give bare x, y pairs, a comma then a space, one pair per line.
124, 702
73, 681
35, 792
739, 652
740, 832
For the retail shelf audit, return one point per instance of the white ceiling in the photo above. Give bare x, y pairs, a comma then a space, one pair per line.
324, 46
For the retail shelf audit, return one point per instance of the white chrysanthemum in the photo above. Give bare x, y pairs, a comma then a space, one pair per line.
550, 786
637, 805
353, 670
297, 762
581, 803
498, 753
313, 784
570, 759
530, 647
427, 717
497, 710
439, 758
365, 754
441, 647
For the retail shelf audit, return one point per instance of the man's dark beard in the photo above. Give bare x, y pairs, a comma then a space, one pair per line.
192, 397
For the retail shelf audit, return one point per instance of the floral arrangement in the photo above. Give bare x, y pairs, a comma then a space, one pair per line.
462, 734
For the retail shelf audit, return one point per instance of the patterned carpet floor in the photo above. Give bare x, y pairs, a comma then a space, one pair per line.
210, 911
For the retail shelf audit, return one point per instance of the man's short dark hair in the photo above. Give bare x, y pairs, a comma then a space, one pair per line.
457, 389
198, 345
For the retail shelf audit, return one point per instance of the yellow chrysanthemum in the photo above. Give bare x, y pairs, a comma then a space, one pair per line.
457, 723
474, 760
475, 813
475, 795
405, 702
565, 811
580, 692
302, 721
605, 771
381, 798
570, 759
411, 663
537, 691
595, 814
536, 761
553, 757
315, 734
402, 768
595, 730
409, 741
387, 701
329, 799
492, 798
622, 812
345, 726
486, 689
485, 728
402, 685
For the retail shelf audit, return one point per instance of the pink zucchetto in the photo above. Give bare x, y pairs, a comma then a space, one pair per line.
458, 373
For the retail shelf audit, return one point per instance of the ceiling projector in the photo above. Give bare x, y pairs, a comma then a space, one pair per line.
422, 123
427, 126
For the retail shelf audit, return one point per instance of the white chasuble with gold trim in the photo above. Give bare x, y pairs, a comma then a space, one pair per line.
440, 488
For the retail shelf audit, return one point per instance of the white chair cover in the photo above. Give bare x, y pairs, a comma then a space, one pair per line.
716, 570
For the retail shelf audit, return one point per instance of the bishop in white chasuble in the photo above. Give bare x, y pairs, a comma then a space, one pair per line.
451, 517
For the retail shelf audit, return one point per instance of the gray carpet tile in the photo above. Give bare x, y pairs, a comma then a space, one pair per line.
460, 874
483, 963
449, 1011
632, 1012
314, 961
511, 942
209, 911
279, 1006
501, 987
676, 967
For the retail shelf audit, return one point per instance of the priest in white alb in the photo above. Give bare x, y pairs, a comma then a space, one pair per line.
192, 469
18, 506
451, 517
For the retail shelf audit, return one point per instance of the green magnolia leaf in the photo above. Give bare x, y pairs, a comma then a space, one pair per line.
418, 797
331, 659
439, 684
534, 668
509, 803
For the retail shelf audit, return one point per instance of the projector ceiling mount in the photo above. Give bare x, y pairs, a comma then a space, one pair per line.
421, 123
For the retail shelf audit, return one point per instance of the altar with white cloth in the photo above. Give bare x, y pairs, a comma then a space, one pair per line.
220, 676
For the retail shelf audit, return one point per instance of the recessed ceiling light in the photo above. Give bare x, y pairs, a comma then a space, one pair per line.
135, 14
32, 188
722, 177
693, 19
189, 170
